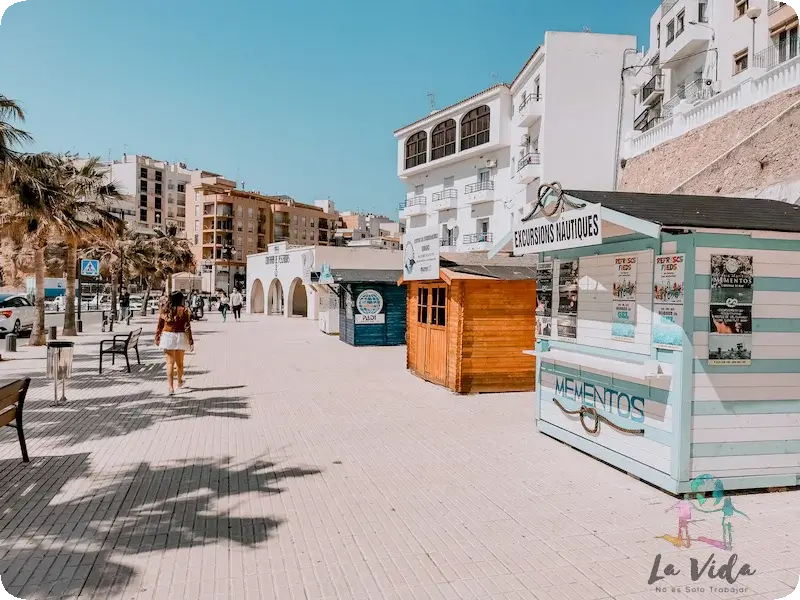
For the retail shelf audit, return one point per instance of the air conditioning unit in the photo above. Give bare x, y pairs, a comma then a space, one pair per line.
525, 140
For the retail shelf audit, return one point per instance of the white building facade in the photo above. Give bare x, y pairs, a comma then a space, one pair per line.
468, 168
708, 58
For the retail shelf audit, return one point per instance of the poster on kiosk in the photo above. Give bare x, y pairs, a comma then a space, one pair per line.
421, 254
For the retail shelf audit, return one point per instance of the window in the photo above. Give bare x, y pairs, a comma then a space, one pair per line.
658, 36
181, 188
143, 200
475, 127
670, 32
312, 235
158, 188
786, 43
416, 149
196, 210
158, 175
313, 222
143, 173
680, 23
196, 239
143, 215
239, 225
443, 139
158, 203
422, 305
740, 62
302, 221
740, 8
158, 217
303, 235
294, 219
197, 225
250, 227
438, 306
702, 12
483, 175
240, 212
250, 241
249, 213
142, 186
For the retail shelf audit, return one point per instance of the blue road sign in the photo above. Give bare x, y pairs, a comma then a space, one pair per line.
90, 268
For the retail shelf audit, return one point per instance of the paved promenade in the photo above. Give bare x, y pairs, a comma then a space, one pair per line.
297, 467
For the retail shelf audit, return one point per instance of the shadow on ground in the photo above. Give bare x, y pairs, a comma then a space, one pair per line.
57, 542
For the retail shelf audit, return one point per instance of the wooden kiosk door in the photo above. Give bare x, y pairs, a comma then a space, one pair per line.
431, 347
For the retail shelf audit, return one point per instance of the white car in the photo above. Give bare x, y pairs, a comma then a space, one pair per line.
16, 314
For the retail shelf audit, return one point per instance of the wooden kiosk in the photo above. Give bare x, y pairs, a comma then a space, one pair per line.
675, 340
372, 310
468, 326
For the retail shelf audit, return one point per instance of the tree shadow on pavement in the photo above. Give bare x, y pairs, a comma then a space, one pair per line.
63, 529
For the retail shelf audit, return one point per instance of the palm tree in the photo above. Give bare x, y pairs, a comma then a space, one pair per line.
88, 189
10, 136
173, 255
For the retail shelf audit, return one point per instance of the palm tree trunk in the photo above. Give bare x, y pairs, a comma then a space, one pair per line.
114, 282
169, 283
147, 296
70, 326
38, 336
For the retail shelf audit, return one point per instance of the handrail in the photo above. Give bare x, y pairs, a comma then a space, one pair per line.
478, 186
475, 238
532, 158
451, 193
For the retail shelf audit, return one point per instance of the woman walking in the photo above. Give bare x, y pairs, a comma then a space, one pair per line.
236, 303
224, 305
174, 337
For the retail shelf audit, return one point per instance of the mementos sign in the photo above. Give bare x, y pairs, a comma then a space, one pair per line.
573, 229
611, 401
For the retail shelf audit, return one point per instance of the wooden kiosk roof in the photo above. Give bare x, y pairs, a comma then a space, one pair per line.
478, 265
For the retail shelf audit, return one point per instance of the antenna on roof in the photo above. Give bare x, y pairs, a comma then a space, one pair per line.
432, 100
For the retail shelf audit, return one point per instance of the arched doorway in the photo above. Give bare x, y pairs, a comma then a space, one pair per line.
257, 298
298, 299
275, 298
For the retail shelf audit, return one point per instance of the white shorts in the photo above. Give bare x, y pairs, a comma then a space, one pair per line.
173, 341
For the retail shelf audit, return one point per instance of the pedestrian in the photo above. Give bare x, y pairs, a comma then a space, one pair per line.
224, 305
174, 337
236, 304
124, 305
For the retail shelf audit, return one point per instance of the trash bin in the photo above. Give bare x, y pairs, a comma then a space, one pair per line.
11, 342
59, 367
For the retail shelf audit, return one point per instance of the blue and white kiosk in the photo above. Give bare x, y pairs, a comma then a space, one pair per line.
668, 333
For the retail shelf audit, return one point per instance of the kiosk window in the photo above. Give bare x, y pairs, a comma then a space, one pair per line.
438, 306
422, 305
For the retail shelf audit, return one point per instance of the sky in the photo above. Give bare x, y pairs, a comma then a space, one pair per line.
295, 97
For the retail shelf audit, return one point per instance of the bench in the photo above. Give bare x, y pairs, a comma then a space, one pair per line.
121, 344
12, 399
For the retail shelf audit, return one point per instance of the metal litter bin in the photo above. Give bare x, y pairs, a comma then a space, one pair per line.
11, 342
59, 367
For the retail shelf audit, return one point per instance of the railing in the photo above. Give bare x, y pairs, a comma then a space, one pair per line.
771, 57
691, 91
528, 99
667, 5
478, 186
532, 158
449, 193
656, 84
447, 242
476, 238
774, 5
414, 201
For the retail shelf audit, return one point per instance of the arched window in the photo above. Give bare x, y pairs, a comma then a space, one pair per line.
475, 128
443, 139
416, 149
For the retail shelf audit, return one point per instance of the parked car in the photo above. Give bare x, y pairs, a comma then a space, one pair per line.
16, 314
136, 302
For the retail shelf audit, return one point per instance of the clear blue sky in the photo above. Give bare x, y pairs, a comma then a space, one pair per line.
301, 96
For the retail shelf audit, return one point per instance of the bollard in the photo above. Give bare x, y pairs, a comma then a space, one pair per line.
152, 310
53, 333
11, 342
80, 326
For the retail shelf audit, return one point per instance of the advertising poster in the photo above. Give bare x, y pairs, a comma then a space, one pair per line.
567, 316
624, 286
668, 298
730, 339
544, 300
369, 304
623, 322
421, 254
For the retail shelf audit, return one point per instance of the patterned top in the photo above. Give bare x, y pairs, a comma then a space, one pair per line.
178, 322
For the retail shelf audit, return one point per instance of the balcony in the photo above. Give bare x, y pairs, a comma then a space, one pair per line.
694, 37
775, 55
413, 206
691, 91
448, 245
478, 241
530, 110
445, 200
653, 90
479, 192
646, 121
529, 168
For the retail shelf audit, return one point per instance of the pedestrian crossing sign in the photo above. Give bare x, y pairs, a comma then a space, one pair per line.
90, 268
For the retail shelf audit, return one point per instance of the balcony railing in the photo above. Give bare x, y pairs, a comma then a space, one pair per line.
667, 5
532, 158
693, 91
448, 194
771, 57
774, 5
476, 238
528, 99
414, 201
447, 242
478, 186
655, 85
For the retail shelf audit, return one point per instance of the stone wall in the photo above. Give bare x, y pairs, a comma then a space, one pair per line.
697, 163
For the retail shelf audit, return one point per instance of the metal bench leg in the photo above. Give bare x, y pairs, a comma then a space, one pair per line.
101, 363
21, 435
127, 362
113, 358
138, 360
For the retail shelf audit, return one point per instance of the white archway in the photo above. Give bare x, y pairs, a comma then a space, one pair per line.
275, 299
298, 299
257, 298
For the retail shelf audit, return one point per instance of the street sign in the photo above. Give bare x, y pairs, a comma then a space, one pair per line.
90, 268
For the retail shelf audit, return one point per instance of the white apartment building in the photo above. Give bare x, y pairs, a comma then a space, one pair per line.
470, 166
706, 59
155, 191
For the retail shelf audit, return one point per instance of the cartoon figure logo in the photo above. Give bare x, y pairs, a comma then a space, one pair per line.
684, 508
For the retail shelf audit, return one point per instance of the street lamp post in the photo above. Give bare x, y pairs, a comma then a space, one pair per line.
228, 248
753, 14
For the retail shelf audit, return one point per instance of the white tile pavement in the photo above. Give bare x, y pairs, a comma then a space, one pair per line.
297, 467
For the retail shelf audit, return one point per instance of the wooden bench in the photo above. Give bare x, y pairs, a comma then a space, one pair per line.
121, 344
12, 399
